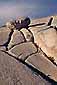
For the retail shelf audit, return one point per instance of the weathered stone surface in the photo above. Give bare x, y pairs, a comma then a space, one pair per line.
27, 34
36, 30
44, 65
46, 40
23, 50
16, 38
4, 35
54, 22
13, 72
40, 20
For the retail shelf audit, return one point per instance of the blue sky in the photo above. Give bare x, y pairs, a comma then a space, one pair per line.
11, 9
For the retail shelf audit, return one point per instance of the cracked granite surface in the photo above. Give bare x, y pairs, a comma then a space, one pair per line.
29, 56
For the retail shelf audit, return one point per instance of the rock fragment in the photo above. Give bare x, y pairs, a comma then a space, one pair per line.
23, 50
16, 38
27, 34
12, 72
54, 22
43, 64
46, 38
4, 35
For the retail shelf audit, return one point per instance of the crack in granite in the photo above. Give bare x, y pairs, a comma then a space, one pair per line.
35, 70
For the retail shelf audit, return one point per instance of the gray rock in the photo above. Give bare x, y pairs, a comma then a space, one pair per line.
23, 50
28, 36
4, 35
16, 38
54, 22
12, 72
46, 38
19, 64
43, 64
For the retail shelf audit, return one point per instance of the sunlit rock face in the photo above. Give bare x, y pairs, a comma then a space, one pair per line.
46, 37
25, 52
47, 41
54, 22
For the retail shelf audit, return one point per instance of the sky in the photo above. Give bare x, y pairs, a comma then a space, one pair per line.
12, 9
